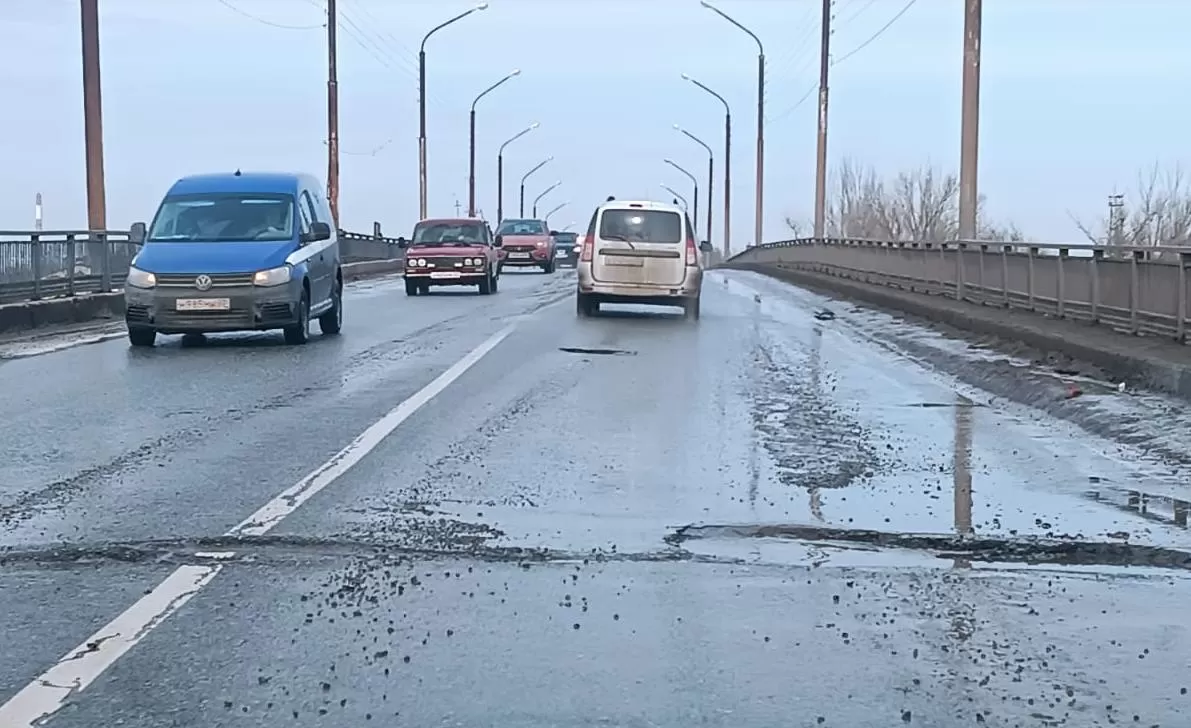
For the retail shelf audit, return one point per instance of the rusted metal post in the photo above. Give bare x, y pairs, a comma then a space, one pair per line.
93, 117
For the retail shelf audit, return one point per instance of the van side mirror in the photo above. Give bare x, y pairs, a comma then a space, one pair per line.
137, 233
498, 241
318, 231
402, 242
554, 233
705, 247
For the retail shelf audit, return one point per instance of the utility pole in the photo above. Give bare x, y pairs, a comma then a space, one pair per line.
821, 151
759, 225
332, 113
970, 125
457, 206
93, 117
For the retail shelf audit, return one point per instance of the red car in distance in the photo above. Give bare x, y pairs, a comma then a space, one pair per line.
526, 243
451, 252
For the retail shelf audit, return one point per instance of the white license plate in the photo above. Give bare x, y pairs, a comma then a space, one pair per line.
560, 253
519, 256
625, 261
203, 304
445, 274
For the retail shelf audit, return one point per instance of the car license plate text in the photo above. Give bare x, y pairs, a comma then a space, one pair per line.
445, 274
203, 304
519, 255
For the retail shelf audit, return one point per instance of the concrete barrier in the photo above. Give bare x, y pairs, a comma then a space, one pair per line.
108, 306
1145, 361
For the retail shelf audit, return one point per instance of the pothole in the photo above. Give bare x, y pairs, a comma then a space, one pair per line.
1066, 552
598, 352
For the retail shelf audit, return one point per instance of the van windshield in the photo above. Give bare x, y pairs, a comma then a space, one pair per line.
641, 226
223, 217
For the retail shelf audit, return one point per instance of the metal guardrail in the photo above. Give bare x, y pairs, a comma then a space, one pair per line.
48, 264
42, 264
1134, 289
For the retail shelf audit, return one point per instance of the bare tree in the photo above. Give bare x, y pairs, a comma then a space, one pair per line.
1157, 213
921, 204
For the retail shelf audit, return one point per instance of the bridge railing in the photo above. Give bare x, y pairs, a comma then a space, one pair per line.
41, 264
1136, 289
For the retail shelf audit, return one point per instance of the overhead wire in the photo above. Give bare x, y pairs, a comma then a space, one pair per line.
836, 61
262, 21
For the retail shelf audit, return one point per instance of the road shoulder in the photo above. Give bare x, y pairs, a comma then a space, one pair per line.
1138, 360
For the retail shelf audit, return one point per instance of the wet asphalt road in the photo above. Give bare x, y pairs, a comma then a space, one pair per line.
764, 519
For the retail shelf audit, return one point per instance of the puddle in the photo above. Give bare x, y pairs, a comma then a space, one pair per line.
600, 352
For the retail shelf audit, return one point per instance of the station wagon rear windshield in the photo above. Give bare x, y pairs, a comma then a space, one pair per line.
522, 227
448, 232
223, 217
641, 226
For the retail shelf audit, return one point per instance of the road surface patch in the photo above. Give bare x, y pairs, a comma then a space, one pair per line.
80, 667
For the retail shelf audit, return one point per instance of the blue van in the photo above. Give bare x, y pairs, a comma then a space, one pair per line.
236, 252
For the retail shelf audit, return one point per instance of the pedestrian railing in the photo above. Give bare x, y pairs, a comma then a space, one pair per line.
1136, 289
41, 264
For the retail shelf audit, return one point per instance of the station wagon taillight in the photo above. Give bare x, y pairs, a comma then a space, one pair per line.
692, 250
588, 251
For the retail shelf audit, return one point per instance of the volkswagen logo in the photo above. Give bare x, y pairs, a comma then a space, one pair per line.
203, 282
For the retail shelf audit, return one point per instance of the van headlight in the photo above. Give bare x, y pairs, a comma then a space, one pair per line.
138, 278
272, 276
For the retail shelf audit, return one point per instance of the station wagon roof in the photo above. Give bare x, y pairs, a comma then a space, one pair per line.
265, 182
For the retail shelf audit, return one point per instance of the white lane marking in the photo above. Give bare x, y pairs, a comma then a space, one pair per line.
50, 691
271, 513
43, 697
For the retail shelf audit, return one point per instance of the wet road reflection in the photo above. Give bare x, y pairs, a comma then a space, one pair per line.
763, 518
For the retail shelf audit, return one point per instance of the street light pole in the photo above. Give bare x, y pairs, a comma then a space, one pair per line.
93, 117
524, 177
332, 112
471, 165
546, 217
671, 190
545, 192
758, 226
500, 170
422, 105
710, 176
970, 122
727, 164
694, 181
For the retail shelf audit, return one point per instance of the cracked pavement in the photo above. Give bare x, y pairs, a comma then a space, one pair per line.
796, 512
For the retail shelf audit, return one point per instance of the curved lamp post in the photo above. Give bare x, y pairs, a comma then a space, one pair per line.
760, 194
545, 192
422, 104
710, 176
727, 165
524, 177
546, 217
694, 181
672, 191
471, 164
500, 170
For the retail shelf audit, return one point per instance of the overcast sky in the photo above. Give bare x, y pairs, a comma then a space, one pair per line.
1077, 96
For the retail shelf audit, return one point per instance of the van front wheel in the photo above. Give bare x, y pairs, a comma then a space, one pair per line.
299, 333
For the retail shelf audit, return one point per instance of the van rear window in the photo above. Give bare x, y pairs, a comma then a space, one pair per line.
641, 226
